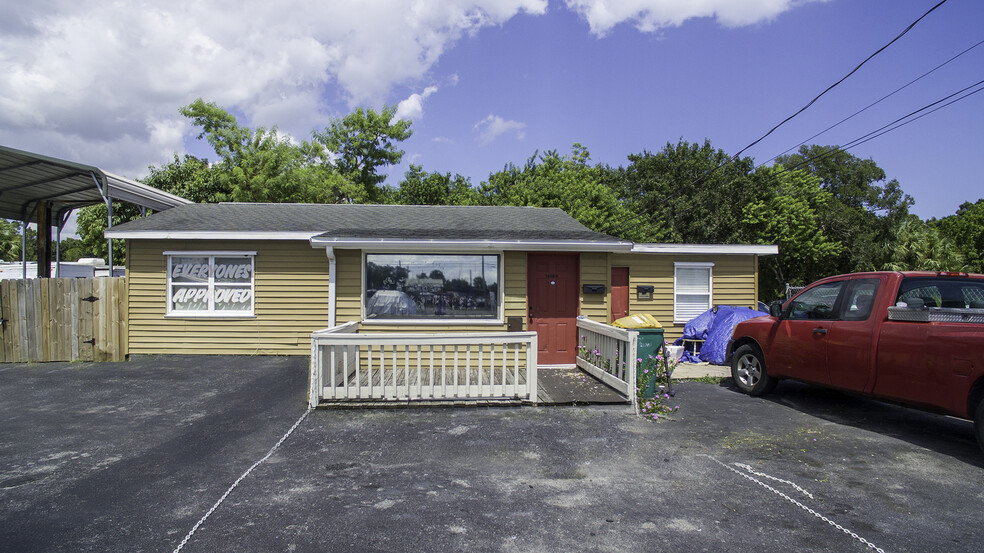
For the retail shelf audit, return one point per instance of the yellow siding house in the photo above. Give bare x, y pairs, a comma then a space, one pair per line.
260, 278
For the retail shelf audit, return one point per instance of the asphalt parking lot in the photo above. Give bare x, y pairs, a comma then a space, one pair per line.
130, 456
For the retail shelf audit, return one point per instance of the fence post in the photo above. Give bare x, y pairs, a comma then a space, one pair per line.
633, 376
313, 391
531, 368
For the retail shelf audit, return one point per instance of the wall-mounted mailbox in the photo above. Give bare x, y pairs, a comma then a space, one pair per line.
514, 324
645, 292
594, 288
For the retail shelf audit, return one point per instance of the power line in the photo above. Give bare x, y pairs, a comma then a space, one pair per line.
842, 79
735, 157
878, 101
900, 122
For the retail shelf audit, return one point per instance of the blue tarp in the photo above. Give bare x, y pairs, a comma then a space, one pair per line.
715, 327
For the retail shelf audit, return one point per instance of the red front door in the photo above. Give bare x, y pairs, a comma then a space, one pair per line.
553, 299
620, 292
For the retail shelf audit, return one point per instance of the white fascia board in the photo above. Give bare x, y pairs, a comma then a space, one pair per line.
206, 235
458, 245
710, 249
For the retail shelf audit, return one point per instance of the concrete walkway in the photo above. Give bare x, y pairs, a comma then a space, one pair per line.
684, 371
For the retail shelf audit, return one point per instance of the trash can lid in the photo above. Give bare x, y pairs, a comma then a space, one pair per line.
644, 320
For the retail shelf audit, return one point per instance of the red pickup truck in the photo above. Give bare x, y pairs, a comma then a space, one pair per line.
915, 338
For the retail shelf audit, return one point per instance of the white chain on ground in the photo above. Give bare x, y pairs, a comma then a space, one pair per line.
238, 480
763, 475
791, 500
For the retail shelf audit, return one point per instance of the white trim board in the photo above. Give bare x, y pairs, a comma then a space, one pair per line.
715, 249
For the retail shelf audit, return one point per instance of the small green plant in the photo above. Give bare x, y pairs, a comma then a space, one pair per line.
655, 371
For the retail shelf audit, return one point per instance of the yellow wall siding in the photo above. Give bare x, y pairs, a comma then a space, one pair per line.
292, 289
290, 301
515, 286
734, 279
595, 269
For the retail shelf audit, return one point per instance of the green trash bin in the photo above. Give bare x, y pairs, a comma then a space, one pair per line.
651, 343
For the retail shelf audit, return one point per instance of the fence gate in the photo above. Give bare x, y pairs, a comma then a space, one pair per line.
63, 319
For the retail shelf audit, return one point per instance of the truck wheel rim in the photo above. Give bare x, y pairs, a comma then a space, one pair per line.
749, 370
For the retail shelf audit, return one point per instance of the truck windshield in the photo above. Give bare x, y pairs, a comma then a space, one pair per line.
942, 292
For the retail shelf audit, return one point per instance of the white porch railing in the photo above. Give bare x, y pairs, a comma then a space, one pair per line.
609, 354
346, 365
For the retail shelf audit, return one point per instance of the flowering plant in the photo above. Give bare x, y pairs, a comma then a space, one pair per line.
655, 371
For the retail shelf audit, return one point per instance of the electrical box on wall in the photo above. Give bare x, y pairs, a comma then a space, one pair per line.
645, 292
594, 288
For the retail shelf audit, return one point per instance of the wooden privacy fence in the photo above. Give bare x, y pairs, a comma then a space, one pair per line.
63, 319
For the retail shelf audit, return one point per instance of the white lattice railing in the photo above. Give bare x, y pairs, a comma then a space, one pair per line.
608, 354
346, 365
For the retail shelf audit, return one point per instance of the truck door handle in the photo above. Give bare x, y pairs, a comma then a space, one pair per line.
820, 331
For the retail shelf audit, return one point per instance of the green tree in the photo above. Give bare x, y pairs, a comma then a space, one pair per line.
361, 143
255, 165
91, 223
862, 214
691, 193
10, 240
419, 187
921, 247
965, 230
570, 183
787, 212
72, 249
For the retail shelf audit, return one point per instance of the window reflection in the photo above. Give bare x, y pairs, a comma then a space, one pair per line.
424, 286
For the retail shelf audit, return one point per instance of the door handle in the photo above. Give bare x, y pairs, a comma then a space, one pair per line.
821, 331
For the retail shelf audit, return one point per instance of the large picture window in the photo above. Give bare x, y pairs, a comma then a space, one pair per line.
432, 287
210, 284
692, 290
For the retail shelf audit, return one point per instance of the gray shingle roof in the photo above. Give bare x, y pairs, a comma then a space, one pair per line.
398, 222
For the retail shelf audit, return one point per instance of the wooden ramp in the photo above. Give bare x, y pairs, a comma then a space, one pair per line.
555, 386
572, 386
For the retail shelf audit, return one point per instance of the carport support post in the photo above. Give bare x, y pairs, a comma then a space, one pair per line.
44, 239
109, 222
24, 247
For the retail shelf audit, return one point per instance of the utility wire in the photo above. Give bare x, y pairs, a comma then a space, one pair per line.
735, 157
883, 98
884, 129
842, 79
900, 122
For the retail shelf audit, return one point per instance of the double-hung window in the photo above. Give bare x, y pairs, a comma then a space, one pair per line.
210, 284
423, 288
692, 290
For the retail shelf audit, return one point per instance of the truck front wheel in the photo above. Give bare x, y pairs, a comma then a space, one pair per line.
749, 373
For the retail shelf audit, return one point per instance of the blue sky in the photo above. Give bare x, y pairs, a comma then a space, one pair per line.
489, 82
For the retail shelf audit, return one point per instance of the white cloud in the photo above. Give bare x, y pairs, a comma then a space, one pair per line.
101, 82
412, 109
493, 127
653, 15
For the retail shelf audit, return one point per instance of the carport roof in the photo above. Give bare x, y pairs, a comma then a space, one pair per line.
27, 178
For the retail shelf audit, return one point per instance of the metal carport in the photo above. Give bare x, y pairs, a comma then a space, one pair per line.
40, 189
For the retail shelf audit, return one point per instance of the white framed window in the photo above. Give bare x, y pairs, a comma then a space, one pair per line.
432, 288
210, 284
692, 290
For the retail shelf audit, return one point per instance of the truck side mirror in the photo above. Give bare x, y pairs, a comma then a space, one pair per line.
775, 309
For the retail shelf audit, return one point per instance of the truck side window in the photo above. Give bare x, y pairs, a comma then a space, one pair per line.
942, 292
860, 299
816, 303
